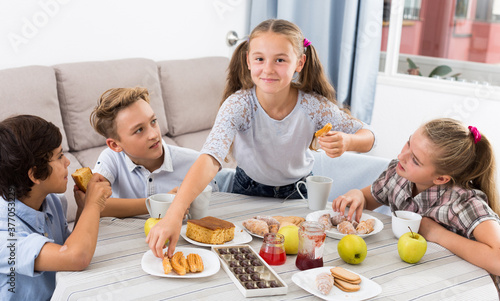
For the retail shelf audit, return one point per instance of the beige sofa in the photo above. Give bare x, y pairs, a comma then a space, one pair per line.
185, 94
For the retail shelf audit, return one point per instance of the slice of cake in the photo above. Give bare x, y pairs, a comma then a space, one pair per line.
210, 230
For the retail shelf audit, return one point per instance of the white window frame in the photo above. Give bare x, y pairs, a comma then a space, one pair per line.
390, 75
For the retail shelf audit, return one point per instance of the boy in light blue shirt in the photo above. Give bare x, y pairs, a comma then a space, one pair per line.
35, 241
137, 162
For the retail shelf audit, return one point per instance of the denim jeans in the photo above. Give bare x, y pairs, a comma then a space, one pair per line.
243, 184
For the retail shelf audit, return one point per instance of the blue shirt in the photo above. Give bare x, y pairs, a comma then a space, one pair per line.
129, 181
23, 232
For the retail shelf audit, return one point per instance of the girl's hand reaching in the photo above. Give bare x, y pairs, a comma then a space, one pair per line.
335, 143
167, 229
354, 199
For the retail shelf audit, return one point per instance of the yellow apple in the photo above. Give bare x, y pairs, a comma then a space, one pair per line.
150, 222
352, 249
412, 247
291, 234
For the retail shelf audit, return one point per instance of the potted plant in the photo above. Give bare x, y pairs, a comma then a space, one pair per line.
441, 70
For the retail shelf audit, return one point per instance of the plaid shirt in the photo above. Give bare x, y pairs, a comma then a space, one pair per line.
457, 209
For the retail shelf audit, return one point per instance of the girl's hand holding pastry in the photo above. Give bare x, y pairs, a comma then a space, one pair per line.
334, 143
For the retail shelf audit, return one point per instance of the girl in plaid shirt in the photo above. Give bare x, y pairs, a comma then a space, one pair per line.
446, 173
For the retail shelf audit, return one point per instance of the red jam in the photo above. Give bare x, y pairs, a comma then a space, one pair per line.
273, 249
304, 262
273, 255
311, 244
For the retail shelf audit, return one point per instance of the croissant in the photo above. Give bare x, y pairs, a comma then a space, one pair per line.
365, 227
256, 226
337, 219
346, 227
325, 220
324, 283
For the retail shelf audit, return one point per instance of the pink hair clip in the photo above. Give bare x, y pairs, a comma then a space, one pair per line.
475, 134
306, 43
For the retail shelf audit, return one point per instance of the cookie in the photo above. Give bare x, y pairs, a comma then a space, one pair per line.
345, 275
346, 286
296, 220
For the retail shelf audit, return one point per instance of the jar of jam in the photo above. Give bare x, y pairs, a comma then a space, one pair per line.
311, 244
273, 249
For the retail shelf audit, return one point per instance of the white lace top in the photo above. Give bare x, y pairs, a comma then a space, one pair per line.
273, 152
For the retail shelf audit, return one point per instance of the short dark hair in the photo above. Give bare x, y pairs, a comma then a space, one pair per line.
26, 142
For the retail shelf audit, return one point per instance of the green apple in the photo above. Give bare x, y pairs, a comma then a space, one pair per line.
352, 249
412, 247
291, 234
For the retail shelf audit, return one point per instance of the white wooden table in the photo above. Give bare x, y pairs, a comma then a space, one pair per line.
115, 272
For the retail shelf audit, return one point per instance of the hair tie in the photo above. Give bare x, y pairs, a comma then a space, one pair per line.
475, 134
306, 43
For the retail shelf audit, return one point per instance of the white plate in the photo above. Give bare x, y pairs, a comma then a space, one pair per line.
240, 237
307, 281
334, 233
153, 265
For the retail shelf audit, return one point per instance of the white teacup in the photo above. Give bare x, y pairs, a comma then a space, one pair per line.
403, 220
318, 190
158, 204
199, 207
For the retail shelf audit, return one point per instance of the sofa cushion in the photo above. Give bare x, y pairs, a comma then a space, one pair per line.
81, 84
192, 140
31, 90
196, 140
192, 91
349, 171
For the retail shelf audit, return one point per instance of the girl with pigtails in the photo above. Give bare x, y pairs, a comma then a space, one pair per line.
446, 173
276, 97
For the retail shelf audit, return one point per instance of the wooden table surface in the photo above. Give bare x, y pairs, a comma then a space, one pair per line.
115, 272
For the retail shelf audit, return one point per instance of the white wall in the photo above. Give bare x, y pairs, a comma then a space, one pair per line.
399, 111
47, 32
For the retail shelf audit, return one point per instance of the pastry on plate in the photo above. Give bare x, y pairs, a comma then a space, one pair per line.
195, 263
346, 227
256, 226
366, 226
296, 220
326, 221
210, 230
324, 283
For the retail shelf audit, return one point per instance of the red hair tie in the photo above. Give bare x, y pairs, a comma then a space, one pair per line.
475, 134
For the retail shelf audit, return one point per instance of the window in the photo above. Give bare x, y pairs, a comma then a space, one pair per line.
447, 40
